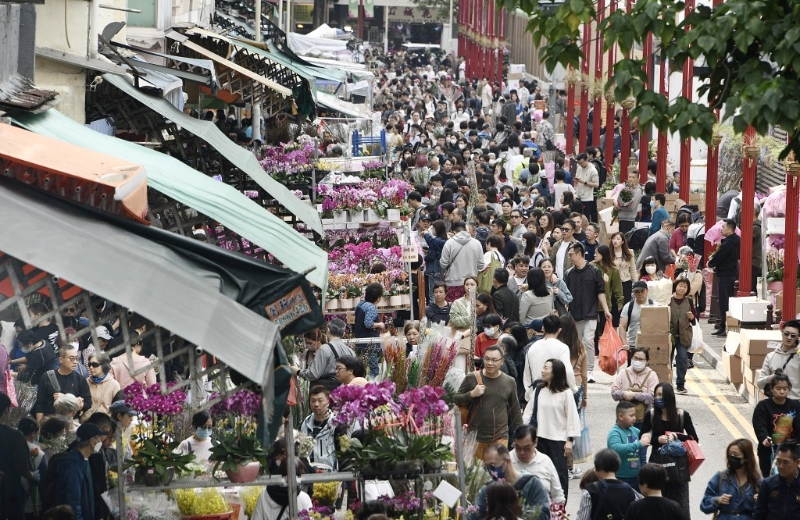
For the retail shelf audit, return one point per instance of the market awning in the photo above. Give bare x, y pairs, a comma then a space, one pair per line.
198, 71
180, 182
238, 156
183, 291
345, 107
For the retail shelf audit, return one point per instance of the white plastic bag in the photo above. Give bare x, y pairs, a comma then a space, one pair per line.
697, 339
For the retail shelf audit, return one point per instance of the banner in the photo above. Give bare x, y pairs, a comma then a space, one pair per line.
369, 8
352, 8
415, 14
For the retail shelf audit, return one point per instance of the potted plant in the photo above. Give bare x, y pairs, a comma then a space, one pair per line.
155, 458
202, 504
236, 448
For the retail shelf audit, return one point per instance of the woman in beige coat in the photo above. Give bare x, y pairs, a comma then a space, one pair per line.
102, 385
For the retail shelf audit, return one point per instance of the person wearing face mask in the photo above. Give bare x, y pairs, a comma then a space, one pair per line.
776, 420
636, 385
660, 213
489, 336
74, 485
657, 246
497, 461
200, 442
730, 494
273, 504
648, 272
666, 422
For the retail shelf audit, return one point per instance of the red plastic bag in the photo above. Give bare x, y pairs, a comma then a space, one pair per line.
669, 272
291, 399
610, 346
10, 390
694, 454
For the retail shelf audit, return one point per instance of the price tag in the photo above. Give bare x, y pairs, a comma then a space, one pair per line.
409, 253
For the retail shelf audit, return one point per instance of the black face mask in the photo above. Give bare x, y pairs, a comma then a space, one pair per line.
735, 463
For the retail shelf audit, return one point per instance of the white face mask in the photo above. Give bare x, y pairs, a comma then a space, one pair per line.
489, 331
651, 269
98, 446
638, 366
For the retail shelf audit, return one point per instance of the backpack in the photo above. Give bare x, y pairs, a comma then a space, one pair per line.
602, 171
486, 276
49, 483
630, 309
738, 215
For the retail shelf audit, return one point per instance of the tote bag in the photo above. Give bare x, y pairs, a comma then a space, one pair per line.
486, 276
582, 447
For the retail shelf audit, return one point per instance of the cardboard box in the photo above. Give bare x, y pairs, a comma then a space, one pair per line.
779, 302
664, 373
699, 200
655, 319
513, 84
732, 344
731, 322
732, 368
756, 344
604, 203
515, 75
659, 345
749, 309
516, 68
749, 373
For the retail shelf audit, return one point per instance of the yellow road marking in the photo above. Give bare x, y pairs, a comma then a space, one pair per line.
742, 420
714, 408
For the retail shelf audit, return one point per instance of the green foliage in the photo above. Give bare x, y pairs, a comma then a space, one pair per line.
751, 50
159, 455
235, 446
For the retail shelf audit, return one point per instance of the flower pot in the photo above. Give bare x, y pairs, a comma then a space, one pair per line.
383, 302
220, 516
356, 216
405, 300
245, 473
332, 304
341, 217
345, 304
395, 300
327, 221
774, 287
149, 478
392, 214
354, 302
372, 216
435, 466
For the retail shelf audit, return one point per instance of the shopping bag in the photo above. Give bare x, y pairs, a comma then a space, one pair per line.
11, 391
291, 400
582, 447
677, 467
610, 345
694, 454
669, 271
698, 345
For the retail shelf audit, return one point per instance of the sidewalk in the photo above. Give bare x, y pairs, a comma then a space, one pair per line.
713, 356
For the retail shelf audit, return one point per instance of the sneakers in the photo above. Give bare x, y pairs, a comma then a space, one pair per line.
691, 364
591, 377
681, 390
575, 473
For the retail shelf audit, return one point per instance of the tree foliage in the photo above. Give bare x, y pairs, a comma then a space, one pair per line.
751, 50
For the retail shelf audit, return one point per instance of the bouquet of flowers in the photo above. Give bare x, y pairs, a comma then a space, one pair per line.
775, 265
235, 441
286, 162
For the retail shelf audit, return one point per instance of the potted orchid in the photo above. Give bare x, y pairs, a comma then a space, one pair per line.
155, 458
401, 434
236, 448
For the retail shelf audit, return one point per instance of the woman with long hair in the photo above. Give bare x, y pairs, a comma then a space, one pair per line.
537, 301
682, 316
546, 225
484, 306
730, 494
577, 354
556, 420
461, 309
665, 423
502, 502
558, 288
625, 262
436, 238
613, 282
531, 241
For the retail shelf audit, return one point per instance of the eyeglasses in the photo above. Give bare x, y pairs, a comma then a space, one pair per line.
566, 228
516, 216
787, 334
71, 358
338, 369
95, 365
492, 360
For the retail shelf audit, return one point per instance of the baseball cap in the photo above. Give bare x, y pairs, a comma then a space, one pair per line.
102, 332
120, 407
426, 217
88, 431
640, 285
537, 325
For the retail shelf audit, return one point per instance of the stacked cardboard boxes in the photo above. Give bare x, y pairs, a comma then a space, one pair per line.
732, 360
654, 334
754, 345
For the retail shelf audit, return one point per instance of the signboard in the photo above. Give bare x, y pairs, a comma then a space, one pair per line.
289, 308
415, 14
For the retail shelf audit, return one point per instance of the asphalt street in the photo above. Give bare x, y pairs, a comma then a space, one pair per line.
719, 414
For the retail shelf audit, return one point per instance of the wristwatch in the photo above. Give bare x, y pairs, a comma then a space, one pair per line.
571, 439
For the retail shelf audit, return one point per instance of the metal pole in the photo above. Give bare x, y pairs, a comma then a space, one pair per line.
449, 43
121, 480
291, 473
462, 484
386, 28
280, 15
255, 121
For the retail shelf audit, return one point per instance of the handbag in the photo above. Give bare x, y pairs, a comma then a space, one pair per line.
534, 420
677, 467
10, 389
582, 447
466, 409
698, 345
610, 348
695, 455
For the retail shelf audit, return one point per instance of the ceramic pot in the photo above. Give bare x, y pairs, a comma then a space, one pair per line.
245, 473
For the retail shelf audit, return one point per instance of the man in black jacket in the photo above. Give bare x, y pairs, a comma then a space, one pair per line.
777, 495
505, 301
725, 263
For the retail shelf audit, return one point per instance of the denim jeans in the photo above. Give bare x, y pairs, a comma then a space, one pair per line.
430, 279
368, 352
682, 360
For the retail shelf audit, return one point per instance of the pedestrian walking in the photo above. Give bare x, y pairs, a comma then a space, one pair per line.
785, 360
776, 420
624, 440
608, 498
731, 493
682, 317
654, 506
777, 494
725, 263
